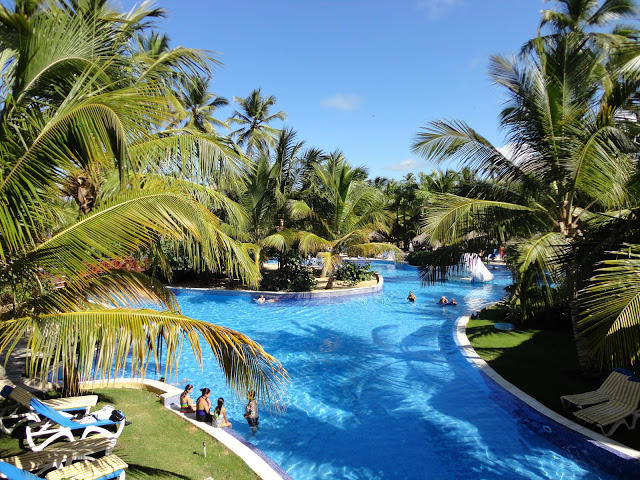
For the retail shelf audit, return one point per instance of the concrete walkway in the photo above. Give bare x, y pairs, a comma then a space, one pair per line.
12, 373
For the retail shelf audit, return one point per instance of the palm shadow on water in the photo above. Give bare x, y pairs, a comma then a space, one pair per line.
383, 409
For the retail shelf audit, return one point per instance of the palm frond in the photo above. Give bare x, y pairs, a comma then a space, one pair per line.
449, 218
136, 218
610, 309
102, 343
447, 140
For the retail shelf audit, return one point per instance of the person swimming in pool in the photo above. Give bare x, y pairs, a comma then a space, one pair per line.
443, 300
261, 299
412, 297
453, 301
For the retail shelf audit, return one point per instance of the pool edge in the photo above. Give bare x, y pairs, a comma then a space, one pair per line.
462, 341
347, 292
258, 461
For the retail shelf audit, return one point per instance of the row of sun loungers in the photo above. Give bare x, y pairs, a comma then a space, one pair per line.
614, 404
46, 423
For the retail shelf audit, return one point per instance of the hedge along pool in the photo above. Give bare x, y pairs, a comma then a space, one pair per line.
379, 389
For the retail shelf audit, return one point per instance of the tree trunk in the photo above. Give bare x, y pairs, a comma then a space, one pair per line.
70, 381
589, 366
329, 285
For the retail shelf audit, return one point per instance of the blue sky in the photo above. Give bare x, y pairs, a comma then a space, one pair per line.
361, 76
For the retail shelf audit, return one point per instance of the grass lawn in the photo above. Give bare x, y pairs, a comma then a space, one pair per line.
159, 444
542, 363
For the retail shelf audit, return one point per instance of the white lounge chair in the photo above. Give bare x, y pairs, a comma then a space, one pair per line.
623, 405
102, 469
604, 393
60, 454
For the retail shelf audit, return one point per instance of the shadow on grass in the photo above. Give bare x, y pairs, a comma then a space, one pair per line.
141, 471
102, 397
491, 333
544, 366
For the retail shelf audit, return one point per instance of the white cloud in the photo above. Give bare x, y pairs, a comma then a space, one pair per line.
405, 165
435, 8
343, 102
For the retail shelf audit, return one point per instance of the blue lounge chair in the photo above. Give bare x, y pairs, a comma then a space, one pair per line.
19, 413
102, 469
55, 425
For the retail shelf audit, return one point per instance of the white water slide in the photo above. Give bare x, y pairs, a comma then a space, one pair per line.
471, 267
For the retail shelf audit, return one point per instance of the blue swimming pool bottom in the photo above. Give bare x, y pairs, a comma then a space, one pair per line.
379, 389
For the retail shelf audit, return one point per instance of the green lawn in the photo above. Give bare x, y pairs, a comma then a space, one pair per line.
159, 444
542, 363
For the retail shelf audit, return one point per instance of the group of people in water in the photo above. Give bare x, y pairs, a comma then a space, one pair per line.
217, 417
443, 300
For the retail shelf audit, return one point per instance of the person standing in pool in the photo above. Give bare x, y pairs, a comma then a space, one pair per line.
411, 297
251, 411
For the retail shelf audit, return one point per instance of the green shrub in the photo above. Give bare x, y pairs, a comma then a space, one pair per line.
353, 273
291, 276
419, 258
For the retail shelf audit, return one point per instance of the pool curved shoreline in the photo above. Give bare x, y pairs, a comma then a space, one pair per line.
630, 457
346, 292
261, 464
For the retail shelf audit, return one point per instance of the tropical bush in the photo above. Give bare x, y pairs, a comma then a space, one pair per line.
353, 273
291, 275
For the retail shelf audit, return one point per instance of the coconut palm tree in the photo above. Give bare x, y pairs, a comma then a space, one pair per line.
582, 20
200, 104
254, 117
345, 212
270, 186
98, 121
570, 164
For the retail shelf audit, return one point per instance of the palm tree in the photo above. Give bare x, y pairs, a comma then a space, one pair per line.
346, 213
200, 104
254, 117
98, 121
570, 165
270, 187
581, 15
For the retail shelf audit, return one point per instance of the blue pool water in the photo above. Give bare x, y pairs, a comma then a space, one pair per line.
379, 390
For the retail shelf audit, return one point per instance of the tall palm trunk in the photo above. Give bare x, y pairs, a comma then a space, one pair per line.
70, 380
589, 366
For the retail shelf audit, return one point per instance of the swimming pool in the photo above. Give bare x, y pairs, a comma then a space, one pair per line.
379, 389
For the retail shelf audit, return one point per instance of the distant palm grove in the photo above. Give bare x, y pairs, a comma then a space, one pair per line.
117, 174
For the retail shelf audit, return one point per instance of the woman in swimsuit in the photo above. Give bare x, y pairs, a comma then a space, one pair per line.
203, 406
186, 402
220, 415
